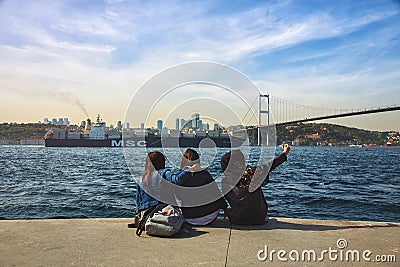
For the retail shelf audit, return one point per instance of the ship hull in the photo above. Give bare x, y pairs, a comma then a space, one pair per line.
148, 141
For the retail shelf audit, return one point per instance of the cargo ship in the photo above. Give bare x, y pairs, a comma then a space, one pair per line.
97, 135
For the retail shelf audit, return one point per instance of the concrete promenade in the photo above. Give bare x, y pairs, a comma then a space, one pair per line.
290, 242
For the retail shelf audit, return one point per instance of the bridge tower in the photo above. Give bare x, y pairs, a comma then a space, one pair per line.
260, 111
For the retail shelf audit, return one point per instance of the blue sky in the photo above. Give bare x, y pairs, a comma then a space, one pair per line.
339, 54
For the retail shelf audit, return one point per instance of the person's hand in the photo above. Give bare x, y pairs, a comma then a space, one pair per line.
225, 213
286, 149
194, 168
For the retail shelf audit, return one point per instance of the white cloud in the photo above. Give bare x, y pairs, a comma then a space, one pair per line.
113, 47
111, 2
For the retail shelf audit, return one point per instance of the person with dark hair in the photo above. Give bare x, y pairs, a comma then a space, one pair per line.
155, 161
243, 183
204, 187
152, 187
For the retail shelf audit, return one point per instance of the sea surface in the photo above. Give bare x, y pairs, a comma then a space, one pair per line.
345, 183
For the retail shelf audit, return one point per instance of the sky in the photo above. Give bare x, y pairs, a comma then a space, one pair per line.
69, 58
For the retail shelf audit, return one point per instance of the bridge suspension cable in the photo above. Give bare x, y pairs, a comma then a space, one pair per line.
282, 111
250, 108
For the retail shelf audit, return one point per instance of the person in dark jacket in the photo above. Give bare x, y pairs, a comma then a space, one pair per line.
247, 201
204, 190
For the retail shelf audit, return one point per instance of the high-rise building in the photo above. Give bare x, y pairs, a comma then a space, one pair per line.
195, 120
119, 125
183, 123
159, 125
200, 124
177, 124
216, 127
208, 126
142, 126
60, 121
66, 121
54, 121
83, 124
46, 121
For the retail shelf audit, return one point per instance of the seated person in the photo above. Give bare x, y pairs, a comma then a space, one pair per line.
248, 207
152, 188
205, 188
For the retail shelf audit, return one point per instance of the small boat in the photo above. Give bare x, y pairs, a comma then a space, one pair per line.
356, 145
389, 143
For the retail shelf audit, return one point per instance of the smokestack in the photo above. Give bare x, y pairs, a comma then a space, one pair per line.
88, 125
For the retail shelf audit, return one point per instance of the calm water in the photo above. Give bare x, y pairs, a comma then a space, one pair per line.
316, 182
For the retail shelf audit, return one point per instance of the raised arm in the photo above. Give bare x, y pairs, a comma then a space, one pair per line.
278, 160
261, 176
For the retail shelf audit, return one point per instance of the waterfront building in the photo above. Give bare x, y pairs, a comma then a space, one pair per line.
32, 141
159, 125
5, 141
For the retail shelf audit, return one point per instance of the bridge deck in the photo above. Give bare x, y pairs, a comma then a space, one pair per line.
355, 113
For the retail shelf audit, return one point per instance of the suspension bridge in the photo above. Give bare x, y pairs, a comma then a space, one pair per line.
281, 112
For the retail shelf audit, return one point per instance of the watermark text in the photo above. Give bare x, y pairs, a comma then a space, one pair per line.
339, 253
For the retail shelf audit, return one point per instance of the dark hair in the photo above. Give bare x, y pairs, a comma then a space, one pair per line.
235, 159
155, 160
233, 164
189, 158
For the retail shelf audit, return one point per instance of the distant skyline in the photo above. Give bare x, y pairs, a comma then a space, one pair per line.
121, 124
82, 58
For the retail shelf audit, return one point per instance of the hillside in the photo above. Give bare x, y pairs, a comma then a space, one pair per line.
329, 134
311, 134
16, 132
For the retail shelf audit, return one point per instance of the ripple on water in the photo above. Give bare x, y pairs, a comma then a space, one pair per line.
315, 182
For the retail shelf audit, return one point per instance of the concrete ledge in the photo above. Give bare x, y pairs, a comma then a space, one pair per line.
108, 242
